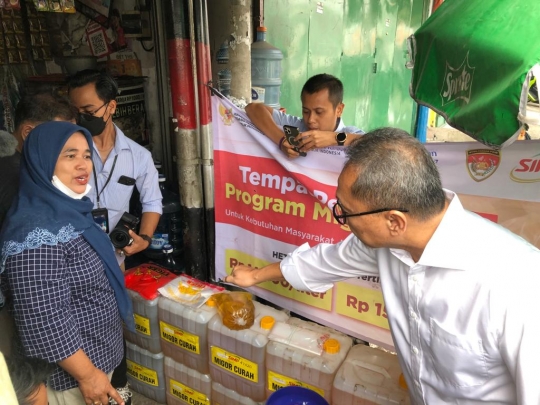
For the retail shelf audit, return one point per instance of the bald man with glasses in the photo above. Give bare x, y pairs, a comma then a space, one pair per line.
456, 286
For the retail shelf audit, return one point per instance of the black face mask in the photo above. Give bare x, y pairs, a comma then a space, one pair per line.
94, 125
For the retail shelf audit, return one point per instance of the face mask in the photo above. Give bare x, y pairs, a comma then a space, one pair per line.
94, 125
67, 191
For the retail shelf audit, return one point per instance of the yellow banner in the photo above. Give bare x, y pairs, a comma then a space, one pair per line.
283, 288
179, 337
235, 364
277, 381
363, 304
187, 394
141, 373
142, 324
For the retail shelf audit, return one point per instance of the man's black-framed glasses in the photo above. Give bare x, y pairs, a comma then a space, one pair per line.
95, 111
341, 217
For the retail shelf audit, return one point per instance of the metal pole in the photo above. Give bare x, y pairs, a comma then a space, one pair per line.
205, 122
163, 88
240, 49
187, 146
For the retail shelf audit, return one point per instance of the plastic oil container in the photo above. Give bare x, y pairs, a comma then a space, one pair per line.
237, 357
145, 372
288, 364
184, 332
266, 68
146, 333
370, 376
185, 385
225, 396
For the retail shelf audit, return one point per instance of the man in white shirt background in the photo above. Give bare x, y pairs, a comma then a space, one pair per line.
320, 125
458, 288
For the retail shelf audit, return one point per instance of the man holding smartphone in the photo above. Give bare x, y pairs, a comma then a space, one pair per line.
320, 125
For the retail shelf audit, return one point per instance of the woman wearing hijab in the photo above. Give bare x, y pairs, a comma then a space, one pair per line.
67, 291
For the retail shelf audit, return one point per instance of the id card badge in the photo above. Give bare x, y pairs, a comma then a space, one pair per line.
101, 217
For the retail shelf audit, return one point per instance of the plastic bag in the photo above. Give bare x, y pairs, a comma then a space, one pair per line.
236, 309
146, 279
189, 291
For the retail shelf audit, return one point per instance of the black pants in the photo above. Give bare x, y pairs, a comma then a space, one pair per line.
119, 377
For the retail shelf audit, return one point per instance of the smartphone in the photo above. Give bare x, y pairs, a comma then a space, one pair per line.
290, 134
126, 181
101, 217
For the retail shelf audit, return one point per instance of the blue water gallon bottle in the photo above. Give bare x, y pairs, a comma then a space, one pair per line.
266, 68
169, 228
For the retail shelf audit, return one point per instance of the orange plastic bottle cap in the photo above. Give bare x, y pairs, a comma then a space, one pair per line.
331, 346
261, 29
402, 382
267, 322
210, 302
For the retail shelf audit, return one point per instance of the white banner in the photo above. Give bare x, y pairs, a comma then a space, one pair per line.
267, 205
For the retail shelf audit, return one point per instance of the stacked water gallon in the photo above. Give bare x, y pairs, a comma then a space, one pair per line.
305, 354
266, 70
144, 356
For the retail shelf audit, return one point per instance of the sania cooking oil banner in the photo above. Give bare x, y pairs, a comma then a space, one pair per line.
472, 63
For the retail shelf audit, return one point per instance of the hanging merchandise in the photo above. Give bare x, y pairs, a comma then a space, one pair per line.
472, 63
10, 97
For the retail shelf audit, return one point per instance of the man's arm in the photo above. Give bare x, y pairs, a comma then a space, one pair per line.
149, 222
313, 269
245, 276
261, 116
321, 139
518, 334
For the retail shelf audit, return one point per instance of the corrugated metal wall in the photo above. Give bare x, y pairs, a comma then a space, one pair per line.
363, 42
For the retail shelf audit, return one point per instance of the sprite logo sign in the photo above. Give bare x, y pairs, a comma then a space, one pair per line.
457, 82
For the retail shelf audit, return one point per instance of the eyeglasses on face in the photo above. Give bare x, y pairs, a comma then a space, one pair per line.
95, 111
341, 216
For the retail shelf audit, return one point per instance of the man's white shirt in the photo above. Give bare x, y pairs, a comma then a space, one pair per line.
463, 318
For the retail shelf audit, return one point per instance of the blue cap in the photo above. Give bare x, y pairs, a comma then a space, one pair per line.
295, 396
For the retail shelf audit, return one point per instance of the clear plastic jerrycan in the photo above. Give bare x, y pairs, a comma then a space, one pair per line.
185, 385
225, 396
237, 357
146, 333
305, 354
184, 332
145, 372
370, 376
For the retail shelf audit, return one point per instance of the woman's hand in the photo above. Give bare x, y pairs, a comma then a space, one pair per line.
96, 389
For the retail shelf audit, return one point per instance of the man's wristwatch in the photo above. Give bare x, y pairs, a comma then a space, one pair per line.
341, 137
146, 238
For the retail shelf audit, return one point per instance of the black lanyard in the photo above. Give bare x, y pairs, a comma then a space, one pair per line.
98, 193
